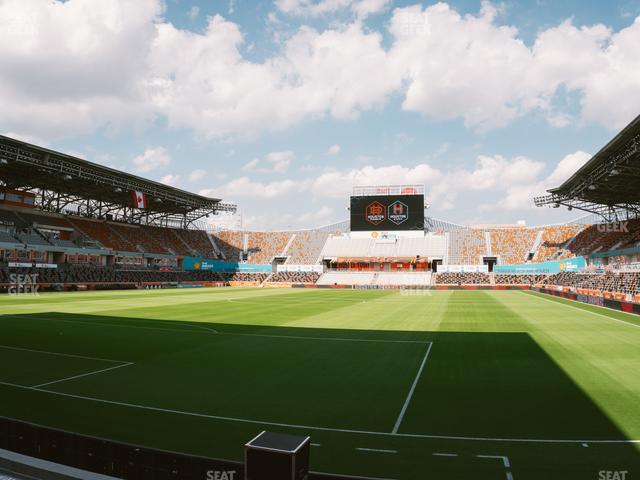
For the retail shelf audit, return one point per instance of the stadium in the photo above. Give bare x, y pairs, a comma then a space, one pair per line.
139, 343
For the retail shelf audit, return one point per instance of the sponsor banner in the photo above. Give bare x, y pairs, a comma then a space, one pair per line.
278, 285
31, 265
628, 268
244, 284
570, 265
463, 269
299, 268
195, 263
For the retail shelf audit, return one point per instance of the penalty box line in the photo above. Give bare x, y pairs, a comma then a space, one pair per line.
316, 428
411, 390
200, 329
81, 375
69, 355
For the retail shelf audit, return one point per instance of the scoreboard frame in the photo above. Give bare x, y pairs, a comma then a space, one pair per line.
401, 212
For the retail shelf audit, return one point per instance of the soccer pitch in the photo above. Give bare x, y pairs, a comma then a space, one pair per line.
453, 384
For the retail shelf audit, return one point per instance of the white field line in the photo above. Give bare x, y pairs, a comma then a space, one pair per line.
410, 394
505, 460
355, 477
376, 450
444, 454
584, 310
27, 316
60, 354
316, 428
338, 339
509, 476
82, 375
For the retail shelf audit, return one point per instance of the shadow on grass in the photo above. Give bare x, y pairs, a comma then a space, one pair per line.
485, 385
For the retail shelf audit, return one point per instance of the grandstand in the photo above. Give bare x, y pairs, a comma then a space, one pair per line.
88, 218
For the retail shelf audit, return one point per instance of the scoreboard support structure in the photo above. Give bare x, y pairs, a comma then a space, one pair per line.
279, 456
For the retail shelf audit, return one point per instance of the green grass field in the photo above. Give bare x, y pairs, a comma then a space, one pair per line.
455, 384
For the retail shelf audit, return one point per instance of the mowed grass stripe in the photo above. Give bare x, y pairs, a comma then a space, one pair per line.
601, 356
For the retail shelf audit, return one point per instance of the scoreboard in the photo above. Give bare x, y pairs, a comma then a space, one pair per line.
387, 212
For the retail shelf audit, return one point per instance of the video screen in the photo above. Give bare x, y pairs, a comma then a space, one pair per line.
387, 212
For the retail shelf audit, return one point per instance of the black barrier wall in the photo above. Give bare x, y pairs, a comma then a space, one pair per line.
611, 303
116, 459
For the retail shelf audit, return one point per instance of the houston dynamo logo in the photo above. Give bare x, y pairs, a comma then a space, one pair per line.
375, 213
398, 212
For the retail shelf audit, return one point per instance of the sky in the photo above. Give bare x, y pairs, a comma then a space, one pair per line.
283, 106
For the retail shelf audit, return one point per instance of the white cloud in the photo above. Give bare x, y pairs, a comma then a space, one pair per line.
603, 66
72, 67
519, 196
251, 165
494, 174
310, 8
317, 216
76, 66
202, 82
151, 159
333, 150
461, 66
170, 179
196, 175
193, 12
338, 184
277, 162
28, 139
567, 167
497, 171
280, 161
245, 187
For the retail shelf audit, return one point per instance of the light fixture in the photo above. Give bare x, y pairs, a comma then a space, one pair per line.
614, 172
593, 186
3, 162
67, 177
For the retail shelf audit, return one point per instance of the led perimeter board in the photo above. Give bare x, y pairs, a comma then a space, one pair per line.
387, 213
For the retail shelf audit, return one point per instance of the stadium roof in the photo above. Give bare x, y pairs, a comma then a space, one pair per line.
609, 183
64, 180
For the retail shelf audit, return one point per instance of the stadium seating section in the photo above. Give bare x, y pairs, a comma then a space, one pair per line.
306, 246
521, 279
467, 246
512, 245
294, 277
261, 247
607, 282
149, 254
449, 278
554, 242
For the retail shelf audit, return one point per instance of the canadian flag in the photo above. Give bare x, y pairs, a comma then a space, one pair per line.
139, 199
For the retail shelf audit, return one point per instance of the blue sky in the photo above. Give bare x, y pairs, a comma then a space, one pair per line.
281, 107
